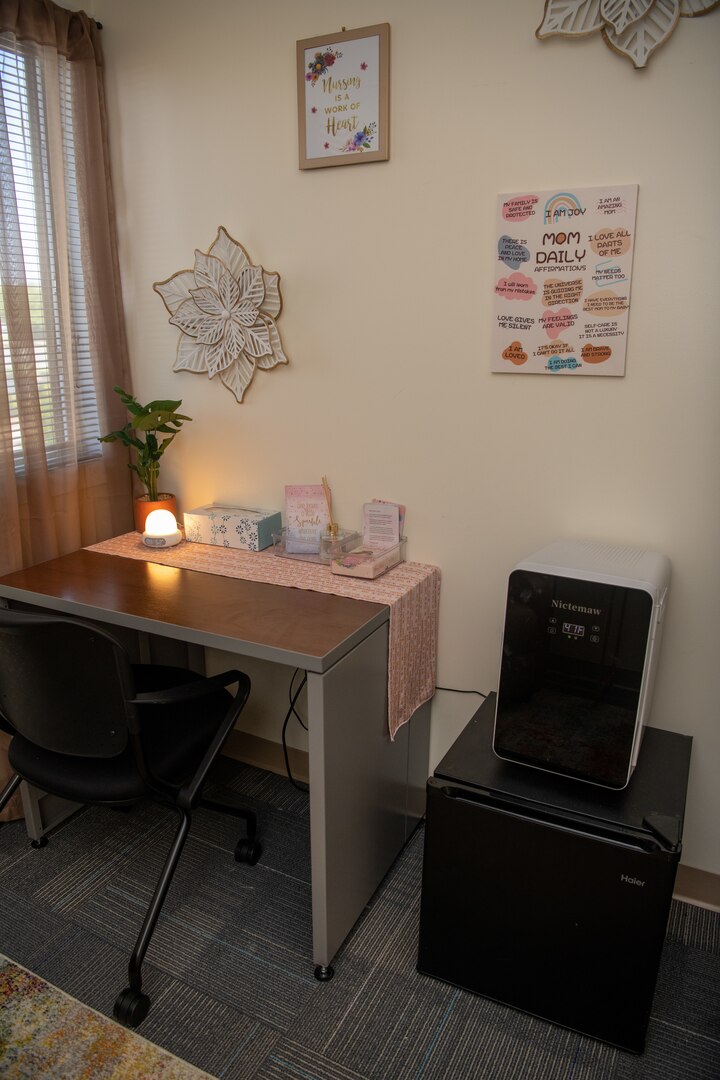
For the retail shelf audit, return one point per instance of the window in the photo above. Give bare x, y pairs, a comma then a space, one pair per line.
45, 330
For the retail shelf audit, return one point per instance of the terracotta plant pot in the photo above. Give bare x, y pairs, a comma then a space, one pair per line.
143, 506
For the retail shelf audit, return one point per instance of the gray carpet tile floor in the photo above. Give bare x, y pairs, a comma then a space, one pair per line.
230, 974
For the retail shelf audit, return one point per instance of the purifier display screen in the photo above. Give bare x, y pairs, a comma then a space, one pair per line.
572, 667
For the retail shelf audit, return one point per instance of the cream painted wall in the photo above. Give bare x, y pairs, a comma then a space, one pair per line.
387, 273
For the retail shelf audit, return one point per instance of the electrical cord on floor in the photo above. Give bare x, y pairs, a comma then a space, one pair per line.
293, 712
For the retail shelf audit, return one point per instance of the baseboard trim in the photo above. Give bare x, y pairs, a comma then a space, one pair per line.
694, 886
698, 887
264, 754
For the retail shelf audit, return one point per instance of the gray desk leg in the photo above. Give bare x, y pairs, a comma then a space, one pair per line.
417, 733
358, 791
42, 811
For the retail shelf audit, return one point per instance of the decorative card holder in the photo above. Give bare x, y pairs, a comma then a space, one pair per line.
369, 563
383, 545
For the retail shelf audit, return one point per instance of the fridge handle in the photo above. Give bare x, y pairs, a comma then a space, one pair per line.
566, 823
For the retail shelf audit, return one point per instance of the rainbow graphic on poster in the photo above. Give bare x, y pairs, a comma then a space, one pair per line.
562, 207
562, 282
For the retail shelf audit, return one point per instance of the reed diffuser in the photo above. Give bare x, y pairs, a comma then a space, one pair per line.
332, 540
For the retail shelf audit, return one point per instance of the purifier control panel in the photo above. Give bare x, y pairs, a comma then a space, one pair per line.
566, 629
578, 632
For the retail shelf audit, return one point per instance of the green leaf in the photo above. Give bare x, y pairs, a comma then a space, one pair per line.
163, 406
123, 436
163, 444
151, 421
128, 401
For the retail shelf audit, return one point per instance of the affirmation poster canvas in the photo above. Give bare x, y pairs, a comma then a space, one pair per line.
562, 290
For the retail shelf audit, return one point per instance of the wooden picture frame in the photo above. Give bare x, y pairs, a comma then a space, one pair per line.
343, 97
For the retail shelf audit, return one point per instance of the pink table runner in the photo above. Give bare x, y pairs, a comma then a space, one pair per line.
410, 590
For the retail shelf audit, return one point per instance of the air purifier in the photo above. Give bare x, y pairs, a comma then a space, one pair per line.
581, 638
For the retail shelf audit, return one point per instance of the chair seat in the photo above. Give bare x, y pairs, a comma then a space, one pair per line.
174, 739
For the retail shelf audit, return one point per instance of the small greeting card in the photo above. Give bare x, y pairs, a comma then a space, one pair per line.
382, 524
306, 518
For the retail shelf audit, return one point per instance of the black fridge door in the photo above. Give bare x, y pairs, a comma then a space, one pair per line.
564, 920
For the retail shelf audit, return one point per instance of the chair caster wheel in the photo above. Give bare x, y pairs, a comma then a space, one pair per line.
323, 973
131, 1007
248, 851
42, 842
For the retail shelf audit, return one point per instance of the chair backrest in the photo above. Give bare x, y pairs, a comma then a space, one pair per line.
64, 683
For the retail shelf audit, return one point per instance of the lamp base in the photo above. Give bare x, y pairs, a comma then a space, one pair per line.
163, 541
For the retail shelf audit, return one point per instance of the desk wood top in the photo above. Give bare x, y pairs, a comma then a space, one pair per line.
273, 622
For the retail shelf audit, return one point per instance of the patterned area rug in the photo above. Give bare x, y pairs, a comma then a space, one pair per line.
44, 1033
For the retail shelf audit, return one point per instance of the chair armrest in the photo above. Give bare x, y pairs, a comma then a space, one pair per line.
195, 690
190, 793
188, 691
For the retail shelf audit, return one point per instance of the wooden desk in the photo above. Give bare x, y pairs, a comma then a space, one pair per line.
366, 792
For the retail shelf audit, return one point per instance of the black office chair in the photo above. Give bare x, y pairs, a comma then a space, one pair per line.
89, 726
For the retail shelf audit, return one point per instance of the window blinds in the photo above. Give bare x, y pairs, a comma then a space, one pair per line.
45, 335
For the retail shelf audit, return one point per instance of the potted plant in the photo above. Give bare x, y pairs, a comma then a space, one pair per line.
141, 434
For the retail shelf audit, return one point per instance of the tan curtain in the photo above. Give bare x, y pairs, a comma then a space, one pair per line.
58, 495
63, 345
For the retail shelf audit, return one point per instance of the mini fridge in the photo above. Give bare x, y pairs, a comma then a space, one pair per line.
548, 894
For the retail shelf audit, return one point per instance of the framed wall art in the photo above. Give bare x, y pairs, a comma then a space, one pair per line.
562, 284
343, 97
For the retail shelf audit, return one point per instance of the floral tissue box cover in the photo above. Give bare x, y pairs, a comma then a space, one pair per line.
232, 526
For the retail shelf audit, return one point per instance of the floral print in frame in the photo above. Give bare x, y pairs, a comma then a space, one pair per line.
343, 108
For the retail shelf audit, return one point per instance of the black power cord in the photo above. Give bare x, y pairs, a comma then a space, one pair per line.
454, 690
292, 711
297, 715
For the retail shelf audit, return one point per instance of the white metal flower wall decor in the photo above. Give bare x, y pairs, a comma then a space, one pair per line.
225, 309
632, 28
